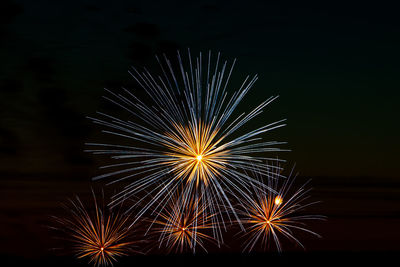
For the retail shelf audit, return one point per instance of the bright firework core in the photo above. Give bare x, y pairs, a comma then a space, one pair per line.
199, 158
195, 152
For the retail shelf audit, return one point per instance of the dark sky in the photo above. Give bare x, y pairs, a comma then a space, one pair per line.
334, 65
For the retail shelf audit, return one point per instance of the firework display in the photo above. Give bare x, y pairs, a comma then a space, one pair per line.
192, 165
188, 134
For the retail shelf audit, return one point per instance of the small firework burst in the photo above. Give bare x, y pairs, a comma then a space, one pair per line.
183, 224
101, 236
275, 212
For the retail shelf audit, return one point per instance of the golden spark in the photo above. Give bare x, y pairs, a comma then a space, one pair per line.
278, 200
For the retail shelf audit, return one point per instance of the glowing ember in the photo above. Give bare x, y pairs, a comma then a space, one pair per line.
278, 200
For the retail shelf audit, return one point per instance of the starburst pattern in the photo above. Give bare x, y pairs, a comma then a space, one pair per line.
183, 224
102, 236
186, 135
269, 215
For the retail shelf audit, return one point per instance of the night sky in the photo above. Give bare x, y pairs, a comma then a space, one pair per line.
335, 67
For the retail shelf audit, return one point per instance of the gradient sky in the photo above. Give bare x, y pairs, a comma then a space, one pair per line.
335, 66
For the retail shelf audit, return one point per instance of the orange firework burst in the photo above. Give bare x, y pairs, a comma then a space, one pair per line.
100, 236
195, 153
182, 223
274, 213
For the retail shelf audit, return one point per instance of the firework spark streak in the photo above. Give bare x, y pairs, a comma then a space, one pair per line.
182, 224
188, 135
270, 214
100, 237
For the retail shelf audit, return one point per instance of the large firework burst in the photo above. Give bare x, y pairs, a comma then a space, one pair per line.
269, 214
186, 135
101, 236
183, 224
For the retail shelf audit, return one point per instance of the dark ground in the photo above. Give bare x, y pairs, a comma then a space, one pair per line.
342, 258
